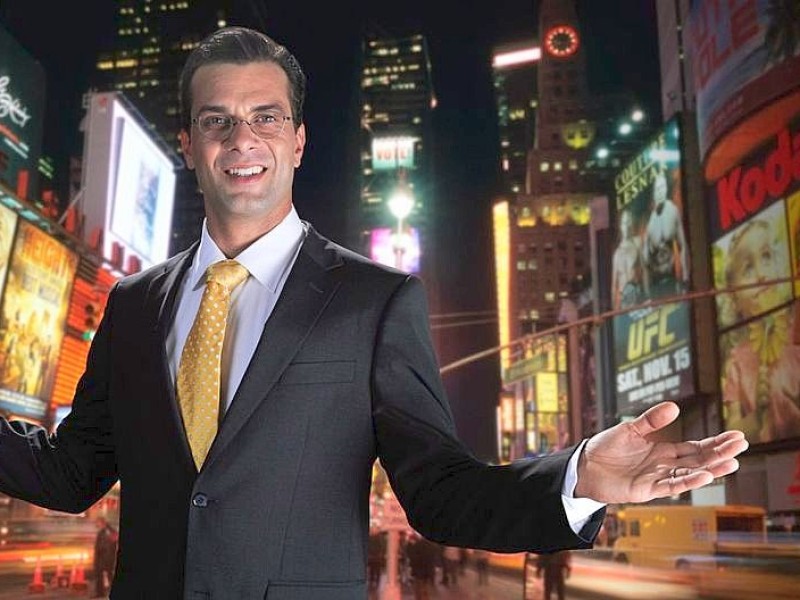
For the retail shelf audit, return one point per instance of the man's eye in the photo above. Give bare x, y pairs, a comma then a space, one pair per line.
216, 122
266, 118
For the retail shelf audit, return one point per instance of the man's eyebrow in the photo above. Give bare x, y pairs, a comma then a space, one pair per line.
216, 108
270, 106
211, 108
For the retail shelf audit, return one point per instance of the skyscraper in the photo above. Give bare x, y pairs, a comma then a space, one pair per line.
514, 72
397, 198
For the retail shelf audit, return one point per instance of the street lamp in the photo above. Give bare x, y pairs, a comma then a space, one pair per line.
400, 204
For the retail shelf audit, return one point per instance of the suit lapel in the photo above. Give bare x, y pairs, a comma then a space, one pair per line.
307, 291
162, 303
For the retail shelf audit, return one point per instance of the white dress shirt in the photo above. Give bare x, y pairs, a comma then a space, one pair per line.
269, 261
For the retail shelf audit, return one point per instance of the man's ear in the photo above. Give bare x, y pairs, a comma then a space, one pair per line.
186, 148
299, 144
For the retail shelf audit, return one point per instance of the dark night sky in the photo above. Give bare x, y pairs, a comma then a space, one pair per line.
619, 36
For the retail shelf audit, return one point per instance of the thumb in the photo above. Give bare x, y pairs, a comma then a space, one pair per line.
655, 418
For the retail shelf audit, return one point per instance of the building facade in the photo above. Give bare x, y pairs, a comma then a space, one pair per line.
397, 203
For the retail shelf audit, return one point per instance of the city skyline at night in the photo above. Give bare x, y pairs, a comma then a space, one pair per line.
465, 124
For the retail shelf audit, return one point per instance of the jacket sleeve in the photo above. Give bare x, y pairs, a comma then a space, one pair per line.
71, 469
448, 495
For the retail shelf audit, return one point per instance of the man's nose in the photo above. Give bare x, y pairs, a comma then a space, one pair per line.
241, 136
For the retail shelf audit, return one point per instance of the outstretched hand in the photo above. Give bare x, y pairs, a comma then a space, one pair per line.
624, 463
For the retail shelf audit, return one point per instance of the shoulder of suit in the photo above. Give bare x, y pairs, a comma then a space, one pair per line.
335, 255
151, 273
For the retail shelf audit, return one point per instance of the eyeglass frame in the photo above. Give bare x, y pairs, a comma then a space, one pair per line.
236, 121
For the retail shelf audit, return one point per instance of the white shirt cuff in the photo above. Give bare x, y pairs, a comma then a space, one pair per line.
578, 510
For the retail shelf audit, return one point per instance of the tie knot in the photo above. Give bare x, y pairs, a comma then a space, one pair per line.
227, 273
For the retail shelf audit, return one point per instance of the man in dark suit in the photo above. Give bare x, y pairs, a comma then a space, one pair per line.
326, 365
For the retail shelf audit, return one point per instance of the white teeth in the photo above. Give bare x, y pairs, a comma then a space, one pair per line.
245, 172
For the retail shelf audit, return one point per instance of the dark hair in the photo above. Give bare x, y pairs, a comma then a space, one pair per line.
239, 45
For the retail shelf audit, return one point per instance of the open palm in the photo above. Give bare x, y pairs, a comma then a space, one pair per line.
626, 463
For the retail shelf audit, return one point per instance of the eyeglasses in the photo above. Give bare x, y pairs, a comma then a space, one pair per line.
219, 128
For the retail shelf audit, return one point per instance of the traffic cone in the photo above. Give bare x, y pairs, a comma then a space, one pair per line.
58, 576
37, 585
77, 579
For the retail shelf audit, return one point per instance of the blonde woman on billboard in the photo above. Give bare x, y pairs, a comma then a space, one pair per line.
761, 372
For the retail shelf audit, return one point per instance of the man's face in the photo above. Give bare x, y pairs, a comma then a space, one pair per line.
243, 177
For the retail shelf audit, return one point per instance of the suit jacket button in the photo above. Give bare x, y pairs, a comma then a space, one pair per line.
200, 500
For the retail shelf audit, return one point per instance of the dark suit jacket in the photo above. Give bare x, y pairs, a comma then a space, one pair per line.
344, 373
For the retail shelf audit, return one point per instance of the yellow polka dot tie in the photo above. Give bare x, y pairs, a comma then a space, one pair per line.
199, 371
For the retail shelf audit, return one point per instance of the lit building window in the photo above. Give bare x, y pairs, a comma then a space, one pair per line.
522, 265
557, 166
573, 165
544, 167
550, 296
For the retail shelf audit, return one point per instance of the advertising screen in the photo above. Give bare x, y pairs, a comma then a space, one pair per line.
129, 184
740, 60
392, 153
754, 217
757, 249
22, 84
651, 262
761, 378
401, 251
141, 207
34, 308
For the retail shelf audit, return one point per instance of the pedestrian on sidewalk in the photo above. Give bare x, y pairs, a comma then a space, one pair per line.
105, 556
482, 566
422, 557
556, 567
376, 557
451, 556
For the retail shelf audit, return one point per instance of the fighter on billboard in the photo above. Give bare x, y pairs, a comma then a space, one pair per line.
651, 262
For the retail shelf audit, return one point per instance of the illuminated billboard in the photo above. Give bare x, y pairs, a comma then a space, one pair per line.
754, 217
399, 250
392, 152
740, 60
34, 308
651, 262
22, 84
129, 186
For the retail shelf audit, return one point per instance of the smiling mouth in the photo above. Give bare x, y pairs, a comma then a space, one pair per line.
245, 171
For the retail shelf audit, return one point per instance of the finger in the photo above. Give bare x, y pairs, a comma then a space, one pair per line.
655, 418
672, 486
722, 468
720, 447
678, 480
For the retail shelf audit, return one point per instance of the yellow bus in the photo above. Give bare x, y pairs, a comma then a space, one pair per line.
683, 536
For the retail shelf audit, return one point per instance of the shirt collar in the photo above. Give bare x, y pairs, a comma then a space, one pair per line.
267, 259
